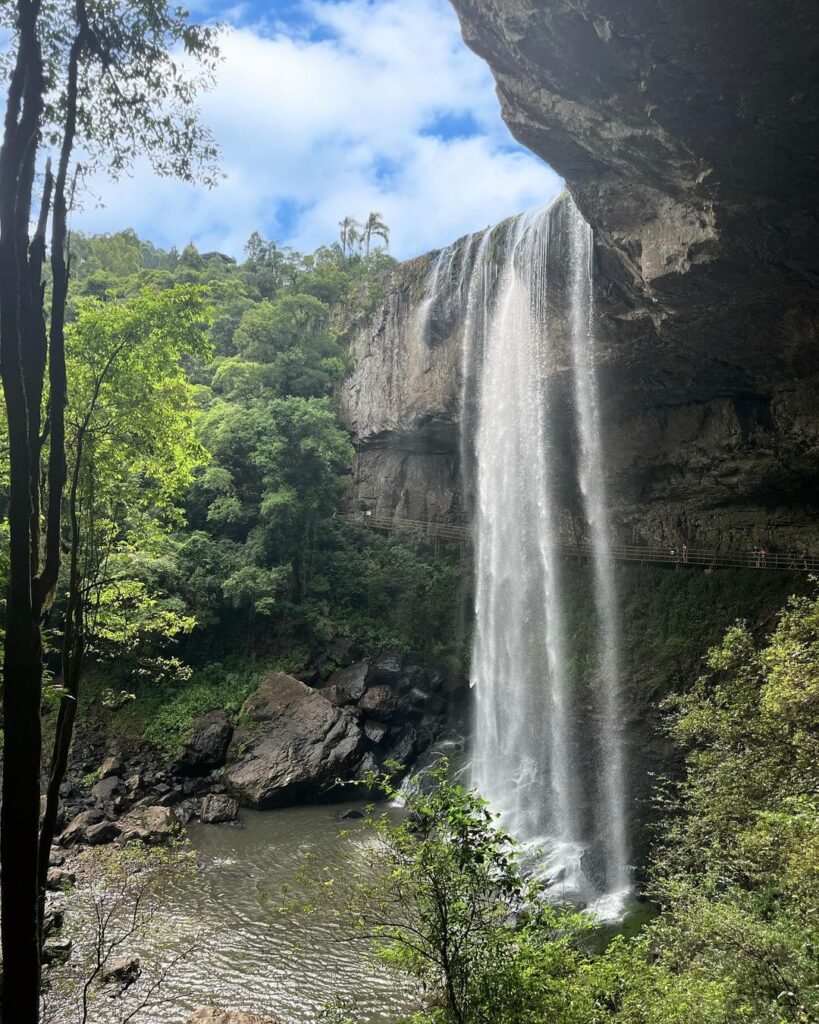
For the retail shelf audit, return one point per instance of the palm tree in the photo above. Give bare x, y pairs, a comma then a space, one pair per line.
374, 225
348, 235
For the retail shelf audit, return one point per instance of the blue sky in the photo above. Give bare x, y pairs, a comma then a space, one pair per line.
324, 108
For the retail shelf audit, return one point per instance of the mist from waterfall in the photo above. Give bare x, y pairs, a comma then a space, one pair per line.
554, 771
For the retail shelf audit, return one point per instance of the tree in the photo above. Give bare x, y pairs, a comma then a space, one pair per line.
349, 235
374, 226
442, 897
736, 869
101, 74
133, 453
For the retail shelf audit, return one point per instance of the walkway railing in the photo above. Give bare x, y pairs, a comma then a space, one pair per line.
697, 557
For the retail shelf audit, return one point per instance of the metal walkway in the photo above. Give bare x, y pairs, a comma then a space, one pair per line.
695, 557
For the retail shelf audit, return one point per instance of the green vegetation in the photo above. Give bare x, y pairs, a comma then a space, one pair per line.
735, 874
262, 563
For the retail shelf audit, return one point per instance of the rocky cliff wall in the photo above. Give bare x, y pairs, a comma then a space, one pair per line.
686, 135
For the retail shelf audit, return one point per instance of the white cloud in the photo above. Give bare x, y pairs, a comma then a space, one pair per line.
342, 120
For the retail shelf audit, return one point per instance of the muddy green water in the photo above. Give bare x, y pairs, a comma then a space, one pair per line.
250, 958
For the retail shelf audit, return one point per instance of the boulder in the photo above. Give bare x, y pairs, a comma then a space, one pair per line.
379, 702
218, 808
103, 790
53, 920
368, 766
297, 745
151, 825
104, 832
60, 878
386, 669
171, 798
215, 1015
347, 685
375, 731
404, 745
123, 971
56, 950
75, 831
351, 814
186, 811
207, 746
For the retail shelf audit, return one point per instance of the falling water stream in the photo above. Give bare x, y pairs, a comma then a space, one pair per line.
531, 433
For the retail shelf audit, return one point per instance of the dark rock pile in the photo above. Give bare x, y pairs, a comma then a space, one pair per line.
302, 743
292, 743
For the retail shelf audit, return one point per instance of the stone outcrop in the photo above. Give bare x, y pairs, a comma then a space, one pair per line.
295, 745
298, 743
686, 138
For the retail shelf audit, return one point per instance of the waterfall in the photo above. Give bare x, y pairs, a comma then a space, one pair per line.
531, 436
592, 481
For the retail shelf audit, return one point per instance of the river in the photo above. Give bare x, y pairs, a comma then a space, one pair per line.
248, 956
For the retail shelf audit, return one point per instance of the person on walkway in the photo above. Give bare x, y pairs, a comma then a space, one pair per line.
685, 552
763, 554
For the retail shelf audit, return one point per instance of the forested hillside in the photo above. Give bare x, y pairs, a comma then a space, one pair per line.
244, 458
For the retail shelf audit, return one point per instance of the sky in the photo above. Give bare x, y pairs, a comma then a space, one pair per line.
328, 108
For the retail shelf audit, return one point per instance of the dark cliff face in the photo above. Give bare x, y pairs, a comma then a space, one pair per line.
686, 133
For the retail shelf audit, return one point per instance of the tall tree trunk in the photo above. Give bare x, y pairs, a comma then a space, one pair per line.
73, 648
22, 358
73, 657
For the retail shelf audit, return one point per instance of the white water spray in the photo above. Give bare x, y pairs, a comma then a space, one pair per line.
530, 434
592, 480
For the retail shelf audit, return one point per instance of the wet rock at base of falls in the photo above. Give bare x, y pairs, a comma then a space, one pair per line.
379, 702
351, 814
215, 1015
296, 745
347, 685
375, 731
218, 809
207, 746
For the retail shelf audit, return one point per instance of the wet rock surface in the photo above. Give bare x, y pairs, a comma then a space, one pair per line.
295, 745
218, 808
